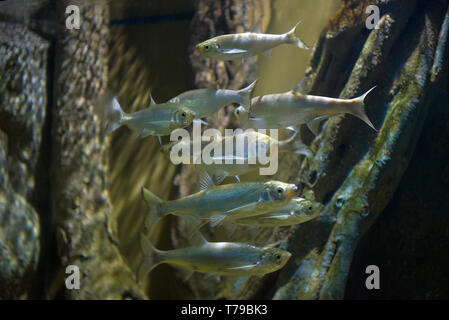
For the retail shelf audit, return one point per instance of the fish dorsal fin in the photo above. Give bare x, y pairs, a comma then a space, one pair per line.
198, 239
296, 93
218, 178
205, 180
152, 102
275, 244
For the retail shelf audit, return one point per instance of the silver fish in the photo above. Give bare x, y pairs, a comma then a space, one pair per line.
218, 258
215, 203
297, 211
244, 45
240, 164
157, 120
293, 109
206, 102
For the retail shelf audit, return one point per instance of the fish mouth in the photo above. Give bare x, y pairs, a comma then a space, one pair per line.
199, 48
287, 256
190, 118
291, 193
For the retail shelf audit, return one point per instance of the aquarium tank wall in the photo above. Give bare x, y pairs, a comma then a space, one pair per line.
236, 149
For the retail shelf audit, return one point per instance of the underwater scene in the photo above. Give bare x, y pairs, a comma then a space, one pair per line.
224, 150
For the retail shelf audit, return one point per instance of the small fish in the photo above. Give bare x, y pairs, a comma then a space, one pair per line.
218, 258
157, 120
215, 203
293, 109
206, 102
219, 171
245, 45
297, 211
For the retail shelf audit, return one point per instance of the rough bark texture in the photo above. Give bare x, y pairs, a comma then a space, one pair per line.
23, 98
86, 233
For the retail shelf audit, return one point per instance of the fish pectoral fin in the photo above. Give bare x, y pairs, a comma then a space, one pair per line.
201, 121
215, 220
205, 180
234, 51
145, 133
247, 267
282, 217
247, 207
237, 178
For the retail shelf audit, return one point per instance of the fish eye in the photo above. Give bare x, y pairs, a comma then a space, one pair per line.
206, 47
183, 114
280, 191
277, 257
310, 208
238, 111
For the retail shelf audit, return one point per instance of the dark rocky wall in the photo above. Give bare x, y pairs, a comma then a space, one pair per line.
23, 102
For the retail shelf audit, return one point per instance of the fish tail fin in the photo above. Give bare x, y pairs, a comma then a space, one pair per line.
149, 253
109, 111
294, 39
153, 203
246, 95
359, 110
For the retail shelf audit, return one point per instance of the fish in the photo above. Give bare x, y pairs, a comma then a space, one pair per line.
297, 211
157, 120
217, 258
206, 102
245, 45
291, 109
215, 203
219, 169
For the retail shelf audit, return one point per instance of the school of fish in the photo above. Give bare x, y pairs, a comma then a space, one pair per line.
267, 204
